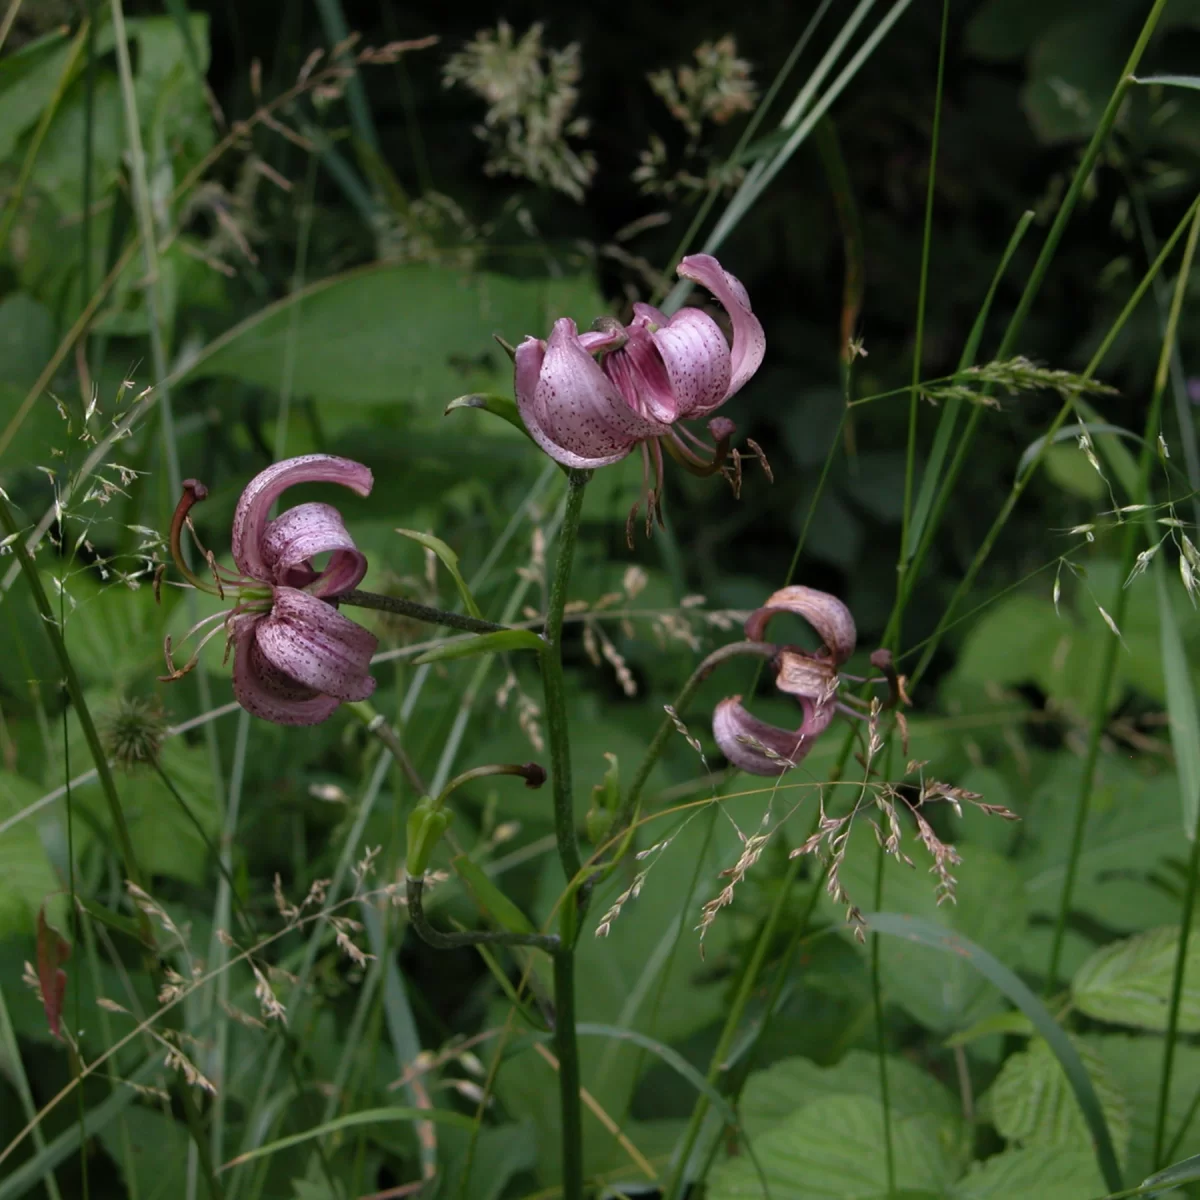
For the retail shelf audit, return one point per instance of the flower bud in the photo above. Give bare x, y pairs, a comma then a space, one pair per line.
426, 824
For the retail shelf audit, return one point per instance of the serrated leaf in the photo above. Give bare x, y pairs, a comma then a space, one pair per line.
486, 643
1129, 982
773, 1094
1032, 1102
832, 1148
1048, 1174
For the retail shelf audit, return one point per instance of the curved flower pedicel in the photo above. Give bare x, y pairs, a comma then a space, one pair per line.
296, 658
812, 678
589, 399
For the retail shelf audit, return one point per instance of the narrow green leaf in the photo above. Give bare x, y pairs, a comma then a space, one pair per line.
672, 1058
485, 643
992, 969
1181, 704
1183, 81
370, 1116
1187, 1171
945, 431
504, 407
1069, 433
450, 562
491, 899
1011, 1022
113, 920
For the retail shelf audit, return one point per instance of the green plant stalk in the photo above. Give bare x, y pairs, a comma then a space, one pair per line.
922, 292
1020, 484
1099, 717
1189, 902
419, 612
662, 735
1034, 283
1159, 1159
558, 736
456, 941
129, 860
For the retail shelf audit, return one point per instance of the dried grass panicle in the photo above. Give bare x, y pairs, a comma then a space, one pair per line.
752, 848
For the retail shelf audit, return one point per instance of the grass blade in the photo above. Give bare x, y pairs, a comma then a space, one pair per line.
369, 1116
925, 933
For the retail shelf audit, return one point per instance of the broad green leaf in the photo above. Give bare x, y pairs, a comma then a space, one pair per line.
834, 1148
26, 876
449, 560
1129, 982
1181, 704
501, 642
158, 1154
499, 1152
773, 1094
490, 898
1032, 1103
415, 333
992, 969
1134, 1062
990, 911
1042, 1172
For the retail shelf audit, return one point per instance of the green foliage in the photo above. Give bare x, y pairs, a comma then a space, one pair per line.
1129, 982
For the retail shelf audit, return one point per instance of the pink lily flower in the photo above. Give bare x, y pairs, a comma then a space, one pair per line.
763, 749
589, 399
296, 658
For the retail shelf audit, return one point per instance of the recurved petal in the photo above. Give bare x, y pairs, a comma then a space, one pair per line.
697, 360
647, 314
300, 534
253, 510
749, 341
745, 740
804, 675
571, 409
310, 642
266, 692
642, 376
825, 613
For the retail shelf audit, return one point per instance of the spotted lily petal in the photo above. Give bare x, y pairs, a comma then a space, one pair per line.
825, 613
749, 342
642, 376
310, 642
299, 535
732, 723
697, 360
251, 516
265, 691
571, 409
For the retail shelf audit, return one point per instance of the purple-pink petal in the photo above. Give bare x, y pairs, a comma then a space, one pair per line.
253, 510
310, 642
265, 691
298, 535
570, 408
697, 361
642, 376
749, 343
825, 613
745, 740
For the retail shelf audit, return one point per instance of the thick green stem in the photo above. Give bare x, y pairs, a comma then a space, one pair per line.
553, 684
566, 1044
557, 733
456, 941
418, 612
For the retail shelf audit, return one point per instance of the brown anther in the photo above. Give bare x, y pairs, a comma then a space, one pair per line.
762, 459
159, 572
881, 660
211, 559
629, 520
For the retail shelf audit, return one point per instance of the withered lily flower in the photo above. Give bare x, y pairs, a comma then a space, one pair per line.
812, 677
296, 658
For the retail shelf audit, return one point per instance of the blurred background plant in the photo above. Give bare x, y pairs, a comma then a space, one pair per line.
232, 233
